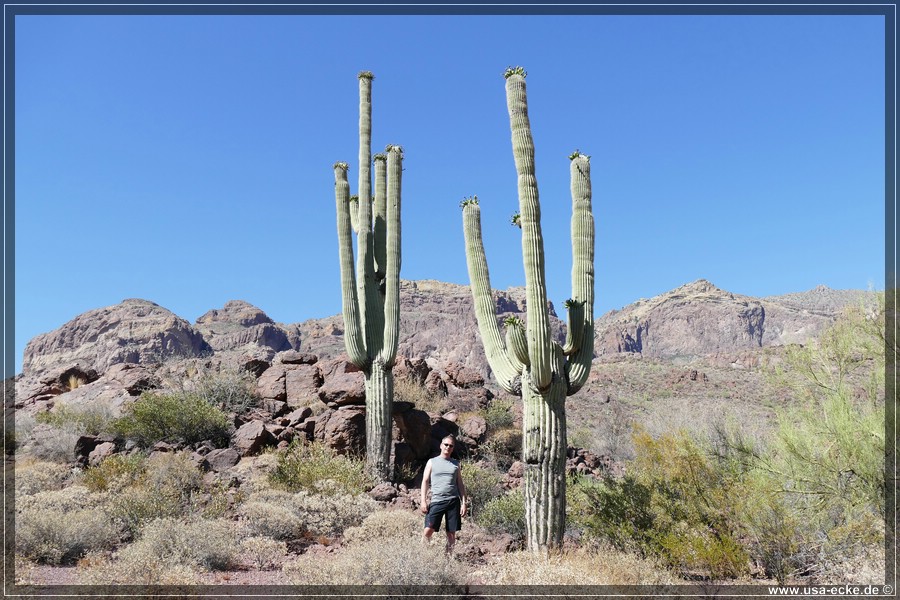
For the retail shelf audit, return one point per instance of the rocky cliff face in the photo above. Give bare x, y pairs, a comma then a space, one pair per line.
135, 331
241, 326
699, 319
437, 323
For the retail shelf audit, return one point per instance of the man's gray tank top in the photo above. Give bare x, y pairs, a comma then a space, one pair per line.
443, 479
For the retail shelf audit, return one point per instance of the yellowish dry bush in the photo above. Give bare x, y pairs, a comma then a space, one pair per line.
33, 476
392, 561
396, 524
132, 569
263, 552
603, 567
282, 515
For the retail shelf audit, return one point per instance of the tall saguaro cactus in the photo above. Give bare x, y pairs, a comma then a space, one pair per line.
371, 292
528, 362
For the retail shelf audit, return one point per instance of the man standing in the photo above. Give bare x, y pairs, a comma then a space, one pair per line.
443, 475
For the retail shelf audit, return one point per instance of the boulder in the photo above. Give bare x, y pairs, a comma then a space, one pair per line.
221, 459
271, 384
475, 427
100, 452
302, 382
250, 438
343, 430
344, 384
383, 492
415, 430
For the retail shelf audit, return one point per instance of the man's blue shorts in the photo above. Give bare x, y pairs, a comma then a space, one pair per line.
448, 508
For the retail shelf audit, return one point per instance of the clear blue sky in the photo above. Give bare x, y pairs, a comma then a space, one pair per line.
188, 160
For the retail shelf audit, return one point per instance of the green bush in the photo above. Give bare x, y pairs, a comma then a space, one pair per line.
499, 414
482, 485
114, 472
504, 514
317, 468
173, 418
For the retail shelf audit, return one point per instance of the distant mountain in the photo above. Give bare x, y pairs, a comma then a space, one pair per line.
438, 325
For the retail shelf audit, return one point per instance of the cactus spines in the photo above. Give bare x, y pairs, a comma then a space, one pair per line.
543, 371
370, 292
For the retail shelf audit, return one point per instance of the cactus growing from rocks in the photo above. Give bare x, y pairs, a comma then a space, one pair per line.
530, 363
371, 293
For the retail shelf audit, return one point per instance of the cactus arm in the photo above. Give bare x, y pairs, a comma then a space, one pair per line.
538, 320
380, 208
392, 256
579, 364
354, 213
485, 310
516, 345
370, 308
353, 339
575, 326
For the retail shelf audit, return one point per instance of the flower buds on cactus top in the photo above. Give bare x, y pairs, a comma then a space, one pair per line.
576, 154
516, 220
340, 165
467, 201
510, 71
366, 75
513, 321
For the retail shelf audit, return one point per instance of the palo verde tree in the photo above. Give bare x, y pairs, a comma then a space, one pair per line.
371, 292
530, 363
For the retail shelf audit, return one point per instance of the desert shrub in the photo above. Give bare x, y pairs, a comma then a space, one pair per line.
92, 418
676, 503
307, 466
131, 568
602, 566
198, 543
406, 390
166, 488
284, 516
264, 552
482, 485
366, 563
229, 390
53, 444
174, 418
40, 476
499, 414
114, 472
58, 527
395, 524
503, 447
504, 514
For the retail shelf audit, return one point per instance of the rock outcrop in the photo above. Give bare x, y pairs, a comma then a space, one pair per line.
134, 331
241, 326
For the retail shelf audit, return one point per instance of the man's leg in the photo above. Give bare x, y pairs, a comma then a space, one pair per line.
451, 540
426, 535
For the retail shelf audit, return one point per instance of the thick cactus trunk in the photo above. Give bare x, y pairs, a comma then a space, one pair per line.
371, 291
544, 455
530, 363
379, 399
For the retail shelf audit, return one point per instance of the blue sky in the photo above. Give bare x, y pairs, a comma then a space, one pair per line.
187, 159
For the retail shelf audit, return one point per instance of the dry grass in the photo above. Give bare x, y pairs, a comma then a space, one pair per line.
582, 567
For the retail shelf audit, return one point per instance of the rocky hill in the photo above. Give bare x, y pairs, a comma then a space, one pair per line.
697, 320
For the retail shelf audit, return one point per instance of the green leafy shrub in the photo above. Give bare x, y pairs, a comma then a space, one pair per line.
676, 503
309, 466
499, 414
482, 485
504, 514
114, 472
173, 418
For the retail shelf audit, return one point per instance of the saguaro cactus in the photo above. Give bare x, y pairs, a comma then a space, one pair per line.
529, 363
371, 293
